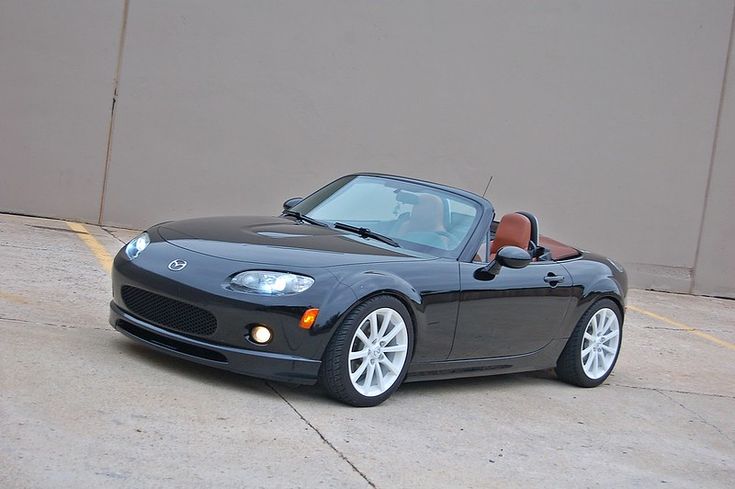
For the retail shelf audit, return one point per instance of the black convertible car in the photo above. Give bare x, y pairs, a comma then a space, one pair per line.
370, 281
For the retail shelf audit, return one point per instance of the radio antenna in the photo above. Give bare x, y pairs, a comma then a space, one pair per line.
488, 185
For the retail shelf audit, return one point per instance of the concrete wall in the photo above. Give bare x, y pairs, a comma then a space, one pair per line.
715, 269
601, 117
57, 64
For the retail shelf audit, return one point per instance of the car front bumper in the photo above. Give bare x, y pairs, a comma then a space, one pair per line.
266, 365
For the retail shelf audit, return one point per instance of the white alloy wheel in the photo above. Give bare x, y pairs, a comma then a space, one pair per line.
600, 343
378, 352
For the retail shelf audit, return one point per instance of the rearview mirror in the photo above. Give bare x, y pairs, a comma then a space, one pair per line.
292, 202
507, 256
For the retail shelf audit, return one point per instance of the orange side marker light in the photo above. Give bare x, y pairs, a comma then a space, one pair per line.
309, 318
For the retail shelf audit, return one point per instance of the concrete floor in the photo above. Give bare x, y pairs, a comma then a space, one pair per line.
81, 406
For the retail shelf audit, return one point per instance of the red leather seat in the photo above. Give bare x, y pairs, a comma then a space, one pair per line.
513, 230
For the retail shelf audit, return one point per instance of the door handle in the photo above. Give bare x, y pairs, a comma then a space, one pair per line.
553, 279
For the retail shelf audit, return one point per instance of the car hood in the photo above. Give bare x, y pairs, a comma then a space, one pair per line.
279, 241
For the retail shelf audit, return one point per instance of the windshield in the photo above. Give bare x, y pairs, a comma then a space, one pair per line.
417, 217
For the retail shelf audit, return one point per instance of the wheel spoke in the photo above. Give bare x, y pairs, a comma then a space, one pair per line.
594, 325
595, 363
354, 355
601, 364
397, 328
586, 352
379, 371
361, 335
384, 325
611, 321
369, 376
588, 336
373, 318
588, 363
609, 336
391, 349
605, 359
608, 349
357, 373
390, 365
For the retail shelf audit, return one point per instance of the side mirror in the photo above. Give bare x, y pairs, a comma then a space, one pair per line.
513, 257
291, 202
508, 256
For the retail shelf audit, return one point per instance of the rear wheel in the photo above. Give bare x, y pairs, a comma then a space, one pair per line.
368, 356
593, 348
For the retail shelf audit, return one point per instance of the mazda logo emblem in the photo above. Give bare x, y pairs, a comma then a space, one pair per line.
177, 265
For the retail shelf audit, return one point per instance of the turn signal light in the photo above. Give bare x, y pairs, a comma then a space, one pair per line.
309, 318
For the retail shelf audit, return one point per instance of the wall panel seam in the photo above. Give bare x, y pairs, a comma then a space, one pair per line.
713, 153
111, 125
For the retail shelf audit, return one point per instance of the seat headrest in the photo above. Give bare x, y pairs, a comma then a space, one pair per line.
427, 214
514, 230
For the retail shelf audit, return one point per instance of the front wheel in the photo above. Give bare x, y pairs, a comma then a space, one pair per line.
593, 348
367, 358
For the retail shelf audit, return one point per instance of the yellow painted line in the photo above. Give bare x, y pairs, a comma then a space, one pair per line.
99, 251
684, 327
10, 297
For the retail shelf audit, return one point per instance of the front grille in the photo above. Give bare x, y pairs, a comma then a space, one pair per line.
169, 313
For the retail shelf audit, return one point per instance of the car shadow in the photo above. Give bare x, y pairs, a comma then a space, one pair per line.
194, 371
315, 393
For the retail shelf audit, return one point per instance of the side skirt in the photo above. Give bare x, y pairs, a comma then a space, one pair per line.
476, 367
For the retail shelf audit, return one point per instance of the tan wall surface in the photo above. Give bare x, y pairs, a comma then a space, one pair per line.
57, 65
715, 270
600, 117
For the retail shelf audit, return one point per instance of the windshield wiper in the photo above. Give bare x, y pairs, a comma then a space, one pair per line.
304, 218
366, 233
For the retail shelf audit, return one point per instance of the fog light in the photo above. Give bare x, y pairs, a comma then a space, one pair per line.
260, 334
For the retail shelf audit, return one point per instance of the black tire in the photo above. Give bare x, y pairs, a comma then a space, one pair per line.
569, 367
334, 374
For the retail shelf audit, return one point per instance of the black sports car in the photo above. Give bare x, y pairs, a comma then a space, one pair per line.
370, 281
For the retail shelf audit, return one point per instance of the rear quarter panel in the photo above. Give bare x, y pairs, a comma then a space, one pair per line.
594, 277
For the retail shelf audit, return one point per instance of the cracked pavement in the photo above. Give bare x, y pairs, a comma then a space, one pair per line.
82, 406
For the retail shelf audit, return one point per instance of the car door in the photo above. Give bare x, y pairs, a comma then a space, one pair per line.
518, 311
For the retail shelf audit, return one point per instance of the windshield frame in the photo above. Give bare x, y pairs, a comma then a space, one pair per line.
483, 211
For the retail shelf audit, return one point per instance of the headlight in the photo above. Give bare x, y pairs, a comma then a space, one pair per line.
270, 283
137, 245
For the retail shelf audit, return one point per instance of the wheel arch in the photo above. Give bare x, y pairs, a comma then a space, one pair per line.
395, 294
606, 288
618, 302
603, 288
370, 284
335, 372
